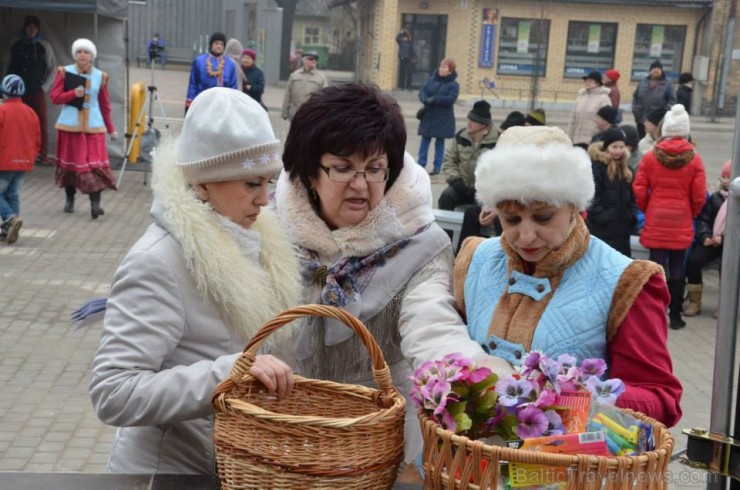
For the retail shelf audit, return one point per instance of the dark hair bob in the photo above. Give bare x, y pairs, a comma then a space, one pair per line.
346, 119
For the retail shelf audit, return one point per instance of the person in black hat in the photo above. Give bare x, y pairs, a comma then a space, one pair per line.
653, 124
652, 93
684, 94
632, 140
613, 211
514, 118
461, 157
605, 119
478, 221
592, 97
211, 69
32, 59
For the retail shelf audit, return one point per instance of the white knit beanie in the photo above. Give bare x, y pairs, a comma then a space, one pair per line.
85, 44
535, 164
676, 122
227, 136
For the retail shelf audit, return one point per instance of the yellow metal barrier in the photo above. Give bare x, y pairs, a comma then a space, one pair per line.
136, 119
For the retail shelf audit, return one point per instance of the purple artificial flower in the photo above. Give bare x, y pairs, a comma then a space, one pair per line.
532, 423
531, 362
550, 369
511, 391
566, 362
605, 392
499, 413
593, 367
555, 425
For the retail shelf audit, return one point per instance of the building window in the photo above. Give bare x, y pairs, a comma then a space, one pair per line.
311, 35
523, 46
658, 42
591, 46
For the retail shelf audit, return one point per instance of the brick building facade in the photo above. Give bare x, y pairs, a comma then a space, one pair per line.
540, 49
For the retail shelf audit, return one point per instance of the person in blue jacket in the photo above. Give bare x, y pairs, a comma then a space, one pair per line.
211, 69
438, 95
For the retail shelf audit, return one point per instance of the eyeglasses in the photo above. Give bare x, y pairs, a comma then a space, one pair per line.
346, 175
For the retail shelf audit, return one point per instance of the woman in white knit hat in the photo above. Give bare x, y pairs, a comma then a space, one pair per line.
82, 158
212, 268
546, 284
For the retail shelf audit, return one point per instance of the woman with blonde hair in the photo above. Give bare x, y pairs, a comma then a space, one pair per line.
613, 211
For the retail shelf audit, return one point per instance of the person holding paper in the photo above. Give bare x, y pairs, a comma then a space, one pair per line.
547, 284
82, 158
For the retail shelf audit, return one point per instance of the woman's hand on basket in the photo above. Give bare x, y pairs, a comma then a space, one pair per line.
274, 374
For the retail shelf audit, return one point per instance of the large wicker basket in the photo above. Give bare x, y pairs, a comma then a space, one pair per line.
455, 462
323, 435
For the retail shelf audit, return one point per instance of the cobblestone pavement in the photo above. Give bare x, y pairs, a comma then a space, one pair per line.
62, 260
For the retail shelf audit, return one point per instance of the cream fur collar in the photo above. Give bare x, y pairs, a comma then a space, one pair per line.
406, 207
247, 292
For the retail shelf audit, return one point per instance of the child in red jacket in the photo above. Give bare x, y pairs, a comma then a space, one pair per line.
20, 141
670, 187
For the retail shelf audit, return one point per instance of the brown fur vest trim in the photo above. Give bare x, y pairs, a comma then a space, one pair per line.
460, 271
630, 284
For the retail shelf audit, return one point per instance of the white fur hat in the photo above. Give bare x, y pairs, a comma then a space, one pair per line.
227, 136
85, 44
676, 122
535, 164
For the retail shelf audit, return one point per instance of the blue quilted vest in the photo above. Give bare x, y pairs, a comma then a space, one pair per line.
575, 319
70, 119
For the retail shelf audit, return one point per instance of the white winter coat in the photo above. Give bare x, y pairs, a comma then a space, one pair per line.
420, 323
582, 127
168, 339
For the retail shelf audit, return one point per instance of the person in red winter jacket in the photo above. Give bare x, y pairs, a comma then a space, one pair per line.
670, 187
20, 141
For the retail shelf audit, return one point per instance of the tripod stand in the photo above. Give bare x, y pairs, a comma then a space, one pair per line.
146, 108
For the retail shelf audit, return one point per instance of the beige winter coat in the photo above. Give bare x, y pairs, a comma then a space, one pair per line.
300, 85
582, 127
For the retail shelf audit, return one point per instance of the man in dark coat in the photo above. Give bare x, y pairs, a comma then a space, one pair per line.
32, 59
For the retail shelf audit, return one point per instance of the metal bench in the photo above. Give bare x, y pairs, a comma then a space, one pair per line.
178, 56
451, 222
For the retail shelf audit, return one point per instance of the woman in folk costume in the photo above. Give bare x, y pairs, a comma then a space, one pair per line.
361, 212
82, 158
212, 268
546, 284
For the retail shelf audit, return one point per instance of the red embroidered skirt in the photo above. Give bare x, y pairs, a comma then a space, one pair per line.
82, 162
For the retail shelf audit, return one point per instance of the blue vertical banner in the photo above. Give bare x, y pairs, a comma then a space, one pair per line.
488, 38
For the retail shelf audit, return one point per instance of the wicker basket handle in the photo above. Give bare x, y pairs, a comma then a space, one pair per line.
381, 371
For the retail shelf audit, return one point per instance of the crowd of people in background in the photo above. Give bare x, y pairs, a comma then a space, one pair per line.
352, 218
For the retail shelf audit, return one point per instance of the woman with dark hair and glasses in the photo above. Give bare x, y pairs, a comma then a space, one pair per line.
360, 209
